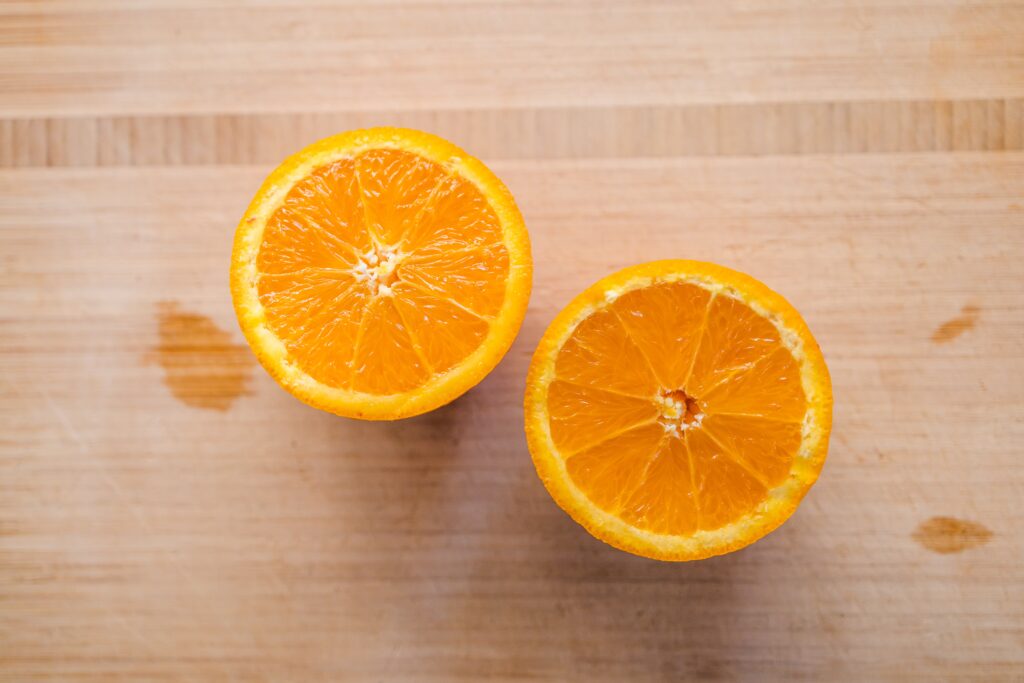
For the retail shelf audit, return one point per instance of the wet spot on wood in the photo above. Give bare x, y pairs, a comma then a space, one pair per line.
202, 366
950, 535
951, 329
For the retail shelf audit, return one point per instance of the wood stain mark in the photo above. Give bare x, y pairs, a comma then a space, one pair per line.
202, 367
951, 329
946, 535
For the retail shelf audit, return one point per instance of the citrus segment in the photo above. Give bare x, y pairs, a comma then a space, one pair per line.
395, 188
664, 317
613, 468
678, 409
665, 501
725, 490
457, 216
297, 296
384, 358
761, 444
446, 333
465, 274
734, 337
381, 273
602, 355
582, 416
320, 223
769, 387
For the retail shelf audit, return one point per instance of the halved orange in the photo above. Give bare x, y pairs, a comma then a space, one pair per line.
678, 410
381, 273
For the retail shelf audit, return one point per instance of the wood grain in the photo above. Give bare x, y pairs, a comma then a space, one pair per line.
168, 513
102, 57
545, 133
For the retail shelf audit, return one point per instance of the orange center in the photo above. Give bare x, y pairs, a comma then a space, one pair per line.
679, 411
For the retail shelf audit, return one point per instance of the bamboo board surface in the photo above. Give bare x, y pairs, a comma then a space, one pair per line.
168, 513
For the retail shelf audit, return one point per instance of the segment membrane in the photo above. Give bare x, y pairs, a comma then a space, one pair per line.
665, 321
734, 338
396, 188
466, 275
443, 332
611, 470
766, 446
665, 501
600, 354
582, 416
324, 309
724, 490
384, 340
768, 387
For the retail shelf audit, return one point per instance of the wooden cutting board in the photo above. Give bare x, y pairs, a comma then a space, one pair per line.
168, 513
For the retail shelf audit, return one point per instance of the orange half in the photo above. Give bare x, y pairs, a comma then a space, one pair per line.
381, 273
678, 410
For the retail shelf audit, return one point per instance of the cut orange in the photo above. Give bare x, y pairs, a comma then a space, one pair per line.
381, 273
678, 410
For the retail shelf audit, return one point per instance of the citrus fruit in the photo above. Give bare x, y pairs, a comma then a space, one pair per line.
678, 410
380, 273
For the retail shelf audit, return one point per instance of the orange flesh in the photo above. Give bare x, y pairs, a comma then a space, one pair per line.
381, 271
676, 409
